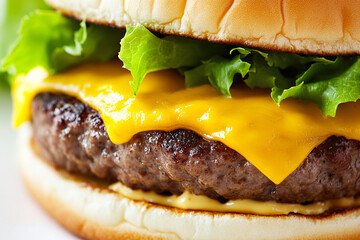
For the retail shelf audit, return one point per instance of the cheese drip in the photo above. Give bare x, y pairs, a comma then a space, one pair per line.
274, 139
191, 201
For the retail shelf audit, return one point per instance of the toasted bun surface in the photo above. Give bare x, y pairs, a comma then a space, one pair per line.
304, 26
97, 213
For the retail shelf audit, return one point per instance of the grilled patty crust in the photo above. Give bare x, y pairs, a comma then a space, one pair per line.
73, 137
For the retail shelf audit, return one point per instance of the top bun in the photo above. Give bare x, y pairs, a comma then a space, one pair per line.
327, 27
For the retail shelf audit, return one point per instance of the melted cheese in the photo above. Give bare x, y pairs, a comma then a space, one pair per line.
274, 139
196, 202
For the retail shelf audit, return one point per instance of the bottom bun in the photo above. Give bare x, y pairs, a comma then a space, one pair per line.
94, 212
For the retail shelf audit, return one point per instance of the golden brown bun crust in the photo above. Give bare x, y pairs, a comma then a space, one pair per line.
97, 213
304, 26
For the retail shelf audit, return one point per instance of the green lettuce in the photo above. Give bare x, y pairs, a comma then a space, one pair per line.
219, 72
142, 52
56, 50
11, 13
327, 82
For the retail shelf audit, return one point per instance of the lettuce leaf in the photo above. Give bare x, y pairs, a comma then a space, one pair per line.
55, 50
263, 73
142, 52
327, 82
11, 13
219, 72
93, 43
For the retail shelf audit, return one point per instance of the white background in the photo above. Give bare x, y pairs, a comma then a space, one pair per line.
20, 216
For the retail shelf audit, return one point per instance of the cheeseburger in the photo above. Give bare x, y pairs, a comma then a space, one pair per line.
192, 119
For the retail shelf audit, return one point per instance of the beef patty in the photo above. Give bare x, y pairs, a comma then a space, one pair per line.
72, 135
